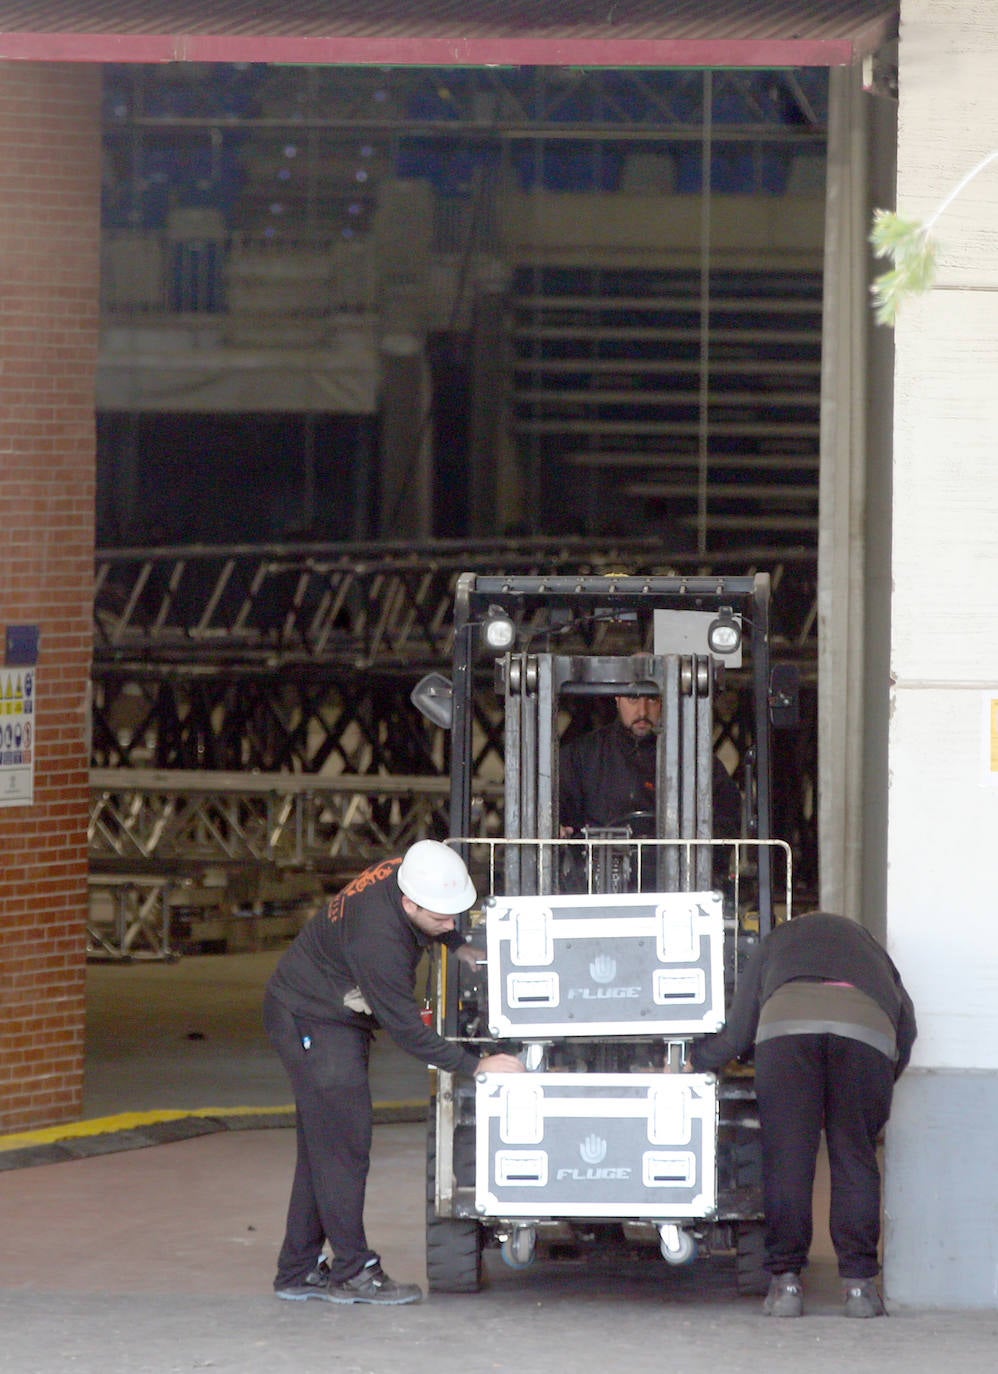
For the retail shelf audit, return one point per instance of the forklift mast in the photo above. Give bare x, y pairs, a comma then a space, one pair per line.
535, 684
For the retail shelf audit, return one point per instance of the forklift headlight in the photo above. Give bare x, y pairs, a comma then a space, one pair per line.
498, 630
724, 633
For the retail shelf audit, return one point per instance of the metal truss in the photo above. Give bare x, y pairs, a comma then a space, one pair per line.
286, 673
361, 606
427, 102
137, 922
180, 822
162, 842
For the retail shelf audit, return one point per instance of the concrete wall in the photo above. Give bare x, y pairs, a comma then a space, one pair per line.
942, 893
49, 228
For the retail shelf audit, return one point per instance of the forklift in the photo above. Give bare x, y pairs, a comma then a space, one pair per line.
603, 954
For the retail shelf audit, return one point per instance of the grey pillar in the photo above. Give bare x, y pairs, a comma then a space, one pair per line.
406, 506
877, 581
841, 535
487, 399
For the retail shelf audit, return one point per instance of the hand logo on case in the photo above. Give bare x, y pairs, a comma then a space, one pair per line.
593, 1150
603, 969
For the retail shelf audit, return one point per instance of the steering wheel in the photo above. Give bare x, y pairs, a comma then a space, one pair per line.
641, 823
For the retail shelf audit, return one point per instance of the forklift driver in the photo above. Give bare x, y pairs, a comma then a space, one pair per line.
607, 777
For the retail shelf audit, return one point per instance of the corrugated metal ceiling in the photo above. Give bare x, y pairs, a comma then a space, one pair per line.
605, 33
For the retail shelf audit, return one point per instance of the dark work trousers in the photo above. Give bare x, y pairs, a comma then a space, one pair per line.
334, 1120
804, 1083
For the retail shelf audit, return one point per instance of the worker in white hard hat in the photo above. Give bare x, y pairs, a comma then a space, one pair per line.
350, 971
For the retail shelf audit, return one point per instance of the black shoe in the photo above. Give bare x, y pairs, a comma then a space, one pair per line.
785, 1297
372, 1284
862, 1298
314, 1285
319, 1276
301, 1292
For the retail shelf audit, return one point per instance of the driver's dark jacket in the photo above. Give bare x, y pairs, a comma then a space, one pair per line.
607, 774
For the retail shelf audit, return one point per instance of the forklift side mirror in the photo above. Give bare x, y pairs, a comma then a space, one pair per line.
433, 697
784, 696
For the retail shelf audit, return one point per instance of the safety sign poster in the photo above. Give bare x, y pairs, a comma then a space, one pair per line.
17, 736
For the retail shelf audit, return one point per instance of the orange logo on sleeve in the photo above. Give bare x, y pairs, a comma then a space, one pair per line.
377, 873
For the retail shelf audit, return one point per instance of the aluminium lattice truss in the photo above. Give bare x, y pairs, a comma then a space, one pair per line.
178, 822
300, 660
476, 104
363, 605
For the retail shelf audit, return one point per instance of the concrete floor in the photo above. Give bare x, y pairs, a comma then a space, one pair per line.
134, 1260
189, 1035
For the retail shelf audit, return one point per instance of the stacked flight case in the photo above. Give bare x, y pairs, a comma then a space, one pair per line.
633, 969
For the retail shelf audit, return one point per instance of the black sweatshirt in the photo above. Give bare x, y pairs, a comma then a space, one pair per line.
815, 948
364, 943
608, 774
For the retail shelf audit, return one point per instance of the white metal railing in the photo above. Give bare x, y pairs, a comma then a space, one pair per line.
613, 861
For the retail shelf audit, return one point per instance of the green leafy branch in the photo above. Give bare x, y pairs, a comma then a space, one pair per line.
911, 249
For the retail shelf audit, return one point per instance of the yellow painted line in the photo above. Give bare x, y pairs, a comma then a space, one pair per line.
130, 1121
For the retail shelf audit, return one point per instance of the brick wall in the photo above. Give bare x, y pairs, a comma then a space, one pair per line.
49, 242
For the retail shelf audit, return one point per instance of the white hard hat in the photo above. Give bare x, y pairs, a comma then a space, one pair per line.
434, 876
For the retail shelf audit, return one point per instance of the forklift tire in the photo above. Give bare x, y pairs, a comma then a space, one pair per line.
453, 1244
453, 1255
751, 1275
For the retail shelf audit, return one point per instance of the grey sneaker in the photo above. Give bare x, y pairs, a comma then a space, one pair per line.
785, 1297
372, 1284
862, 1298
